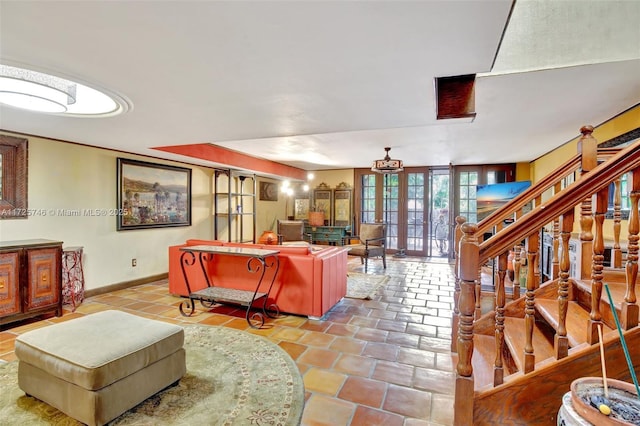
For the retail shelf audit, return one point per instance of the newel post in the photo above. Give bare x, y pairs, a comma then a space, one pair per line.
468, 266
588, 149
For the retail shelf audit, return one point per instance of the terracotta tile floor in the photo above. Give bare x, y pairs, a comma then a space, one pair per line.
384, 361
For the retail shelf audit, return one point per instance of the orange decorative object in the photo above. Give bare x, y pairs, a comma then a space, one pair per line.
268, 237
316, 218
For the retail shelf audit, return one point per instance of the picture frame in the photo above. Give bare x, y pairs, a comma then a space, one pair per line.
301, 208
152, 195
342, 204
268, 191
323, 202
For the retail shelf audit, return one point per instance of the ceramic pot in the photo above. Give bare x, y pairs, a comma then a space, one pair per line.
268, 237
622, 392
316, 218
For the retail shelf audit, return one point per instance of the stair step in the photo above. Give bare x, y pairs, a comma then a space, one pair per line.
515, 338
484, 357
577, 319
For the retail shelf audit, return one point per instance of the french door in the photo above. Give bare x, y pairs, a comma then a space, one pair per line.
419, 205
401, 201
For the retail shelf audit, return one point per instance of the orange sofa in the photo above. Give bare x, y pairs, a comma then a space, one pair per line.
310, 281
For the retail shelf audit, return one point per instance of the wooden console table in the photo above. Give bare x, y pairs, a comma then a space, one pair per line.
333, 235
258, 261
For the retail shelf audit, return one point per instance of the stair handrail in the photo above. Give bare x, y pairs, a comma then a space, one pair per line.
506, 211
588, 184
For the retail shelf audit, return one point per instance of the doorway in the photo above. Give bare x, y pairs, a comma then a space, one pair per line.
409, 203
439, 229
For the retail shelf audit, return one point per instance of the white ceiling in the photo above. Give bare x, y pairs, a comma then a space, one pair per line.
328, 84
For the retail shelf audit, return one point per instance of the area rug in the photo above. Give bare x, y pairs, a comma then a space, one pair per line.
233, 378
364, 286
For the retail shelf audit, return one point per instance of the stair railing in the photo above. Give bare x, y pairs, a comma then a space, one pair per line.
472, 253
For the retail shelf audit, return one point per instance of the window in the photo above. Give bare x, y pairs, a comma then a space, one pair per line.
625, 203
467, 205
13, 177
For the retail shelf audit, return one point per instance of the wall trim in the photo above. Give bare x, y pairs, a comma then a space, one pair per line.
125, 284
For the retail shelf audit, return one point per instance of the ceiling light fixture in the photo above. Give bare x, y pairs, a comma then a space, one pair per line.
387, 164
36, 91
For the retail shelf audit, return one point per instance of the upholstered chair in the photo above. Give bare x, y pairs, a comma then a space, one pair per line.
292, 231
371, 243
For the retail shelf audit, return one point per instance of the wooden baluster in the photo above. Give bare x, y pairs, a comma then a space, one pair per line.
469, 262
532, 243
555, 262
561, 342
586, 239
517, 264
537, 274
498, 370
478, 288
595, 317
629, 314
588, 148
616, 258
456, 291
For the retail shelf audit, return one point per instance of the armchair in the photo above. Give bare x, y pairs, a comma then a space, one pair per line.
292, 231
372, 240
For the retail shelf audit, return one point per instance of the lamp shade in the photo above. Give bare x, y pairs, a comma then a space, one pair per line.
387, 164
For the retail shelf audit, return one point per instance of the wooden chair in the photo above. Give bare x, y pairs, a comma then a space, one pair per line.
371, 243
292, 231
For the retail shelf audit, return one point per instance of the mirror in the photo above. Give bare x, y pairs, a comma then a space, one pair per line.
13, 177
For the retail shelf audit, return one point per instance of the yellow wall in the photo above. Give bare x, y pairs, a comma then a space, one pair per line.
617, 126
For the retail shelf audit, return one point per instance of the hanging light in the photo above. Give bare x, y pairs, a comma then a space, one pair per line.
387, 164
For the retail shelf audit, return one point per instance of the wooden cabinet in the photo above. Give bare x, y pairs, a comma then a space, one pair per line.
234, 206
30, 279
333, 235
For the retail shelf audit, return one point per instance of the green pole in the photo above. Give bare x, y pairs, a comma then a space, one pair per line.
622, 341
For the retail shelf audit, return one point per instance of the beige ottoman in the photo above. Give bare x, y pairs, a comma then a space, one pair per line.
97, 367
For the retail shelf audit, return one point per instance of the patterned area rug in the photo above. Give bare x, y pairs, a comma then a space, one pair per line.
233, 378
364, 286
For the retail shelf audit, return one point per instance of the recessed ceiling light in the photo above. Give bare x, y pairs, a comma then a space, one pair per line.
36, 91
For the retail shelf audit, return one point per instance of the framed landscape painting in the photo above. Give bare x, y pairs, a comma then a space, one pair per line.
152, 195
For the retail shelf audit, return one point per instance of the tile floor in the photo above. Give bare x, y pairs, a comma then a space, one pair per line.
385, 361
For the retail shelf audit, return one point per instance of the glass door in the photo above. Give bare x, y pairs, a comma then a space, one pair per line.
399, 200
440, 223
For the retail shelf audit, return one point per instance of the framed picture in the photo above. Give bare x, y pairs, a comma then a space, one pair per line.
323, 201
268, 191
342, 205
152, 195
301, 208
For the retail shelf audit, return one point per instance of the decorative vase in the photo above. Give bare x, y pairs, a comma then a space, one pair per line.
268, 237
621, 394
316, 218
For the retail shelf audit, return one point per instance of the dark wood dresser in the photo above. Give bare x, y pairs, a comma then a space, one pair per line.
30, 279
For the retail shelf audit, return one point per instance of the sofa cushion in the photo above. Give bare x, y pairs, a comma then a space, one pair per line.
85, 352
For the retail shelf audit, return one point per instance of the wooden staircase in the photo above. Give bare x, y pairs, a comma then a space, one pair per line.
515, 363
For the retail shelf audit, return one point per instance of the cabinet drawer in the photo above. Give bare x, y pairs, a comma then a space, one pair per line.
9, 283
42, 278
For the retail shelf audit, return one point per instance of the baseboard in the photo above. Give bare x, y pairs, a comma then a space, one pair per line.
125, 284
